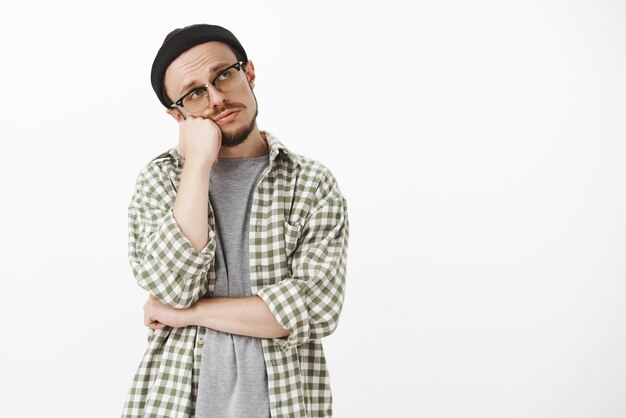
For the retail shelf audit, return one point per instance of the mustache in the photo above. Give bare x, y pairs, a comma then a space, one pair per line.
226, 107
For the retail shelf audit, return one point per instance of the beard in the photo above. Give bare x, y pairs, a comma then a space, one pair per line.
232, 139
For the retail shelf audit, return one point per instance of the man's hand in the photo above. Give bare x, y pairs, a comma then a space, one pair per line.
199, 139
157, 314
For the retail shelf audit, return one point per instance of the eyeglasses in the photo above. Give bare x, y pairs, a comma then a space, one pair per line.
198, 99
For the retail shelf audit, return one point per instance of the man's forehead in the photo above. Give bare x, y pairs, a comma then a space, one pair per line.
209, 56
212, 49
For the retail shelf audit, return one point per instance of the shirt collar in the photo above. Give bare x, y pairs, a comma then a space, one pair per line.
276, 147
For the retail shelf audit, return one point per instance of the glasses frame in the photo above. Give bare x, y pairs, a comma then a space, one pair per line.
179, 103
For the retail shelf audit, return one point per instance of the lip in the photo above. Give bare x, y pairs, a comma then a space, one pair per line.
228, 117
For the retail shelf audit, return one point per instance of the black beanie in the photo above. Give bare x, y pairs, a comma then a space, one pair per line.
180, 40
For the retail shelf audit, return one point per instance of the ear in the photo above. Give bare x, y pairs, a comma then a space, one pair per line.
176, 114
250, 73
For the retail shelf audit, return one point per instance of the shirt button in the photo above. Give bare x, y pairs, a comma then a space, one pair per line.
258, 227
259, 268
200, 341
273, 362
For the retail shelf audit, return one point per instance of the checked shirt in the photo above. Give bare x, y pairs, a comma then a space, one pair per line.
298, 247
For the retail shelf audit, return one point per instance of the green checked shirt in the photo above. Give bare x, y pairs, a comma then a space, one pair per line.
298, 246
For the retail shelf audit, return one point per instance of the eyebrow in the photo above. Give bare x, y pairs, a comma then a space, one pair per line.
194, 82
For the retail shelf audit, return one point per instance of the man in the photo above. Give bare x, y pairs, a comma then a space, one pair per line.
241, 244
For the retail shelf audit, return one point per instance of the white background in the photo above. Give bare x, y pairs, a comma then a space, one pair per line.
481, 147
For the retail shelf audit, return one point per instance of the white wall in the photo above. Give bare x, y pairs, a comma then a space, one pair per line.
481, 147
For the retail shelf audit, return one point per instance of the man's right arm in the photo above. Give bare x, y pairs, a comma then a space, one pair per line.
191, 207
199, 144
171, 246
164, 260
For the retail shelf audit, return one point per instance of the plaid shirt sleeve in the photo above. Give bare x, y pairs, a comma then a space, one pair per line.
162, 259
309, 303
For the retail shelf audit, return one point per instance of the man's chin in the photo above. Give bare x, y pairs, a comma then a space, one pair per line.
236, 137
233, 139
231, 144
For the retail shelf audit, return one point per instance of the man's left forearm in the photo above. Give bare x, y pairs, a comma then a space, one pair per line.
247, 315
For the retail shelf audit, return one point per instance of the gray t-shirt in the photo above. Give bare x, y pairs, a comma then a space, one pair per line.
233, 377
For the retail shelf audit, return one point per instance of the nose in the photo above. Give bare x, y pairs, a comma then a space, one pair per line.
216, 97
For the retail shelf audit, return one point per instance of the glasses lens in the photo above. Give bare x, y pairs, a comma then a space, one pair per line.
228, 80
196, 100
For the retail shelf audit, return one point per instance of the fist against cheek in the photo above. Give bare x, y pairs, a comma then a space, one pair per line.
199, 138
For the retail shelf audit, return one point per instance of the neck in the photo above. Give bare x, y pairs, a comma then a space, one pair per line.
255, 145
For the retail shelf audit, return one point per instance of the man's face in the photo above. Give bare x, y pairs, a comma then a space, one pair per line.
200, 65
